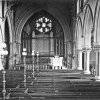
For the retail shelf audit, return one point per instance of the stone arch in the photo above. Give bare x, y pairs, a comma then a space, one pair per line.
87, 26
1, 35
45, 45
88, 35
79, 34
9, 19
7, 40
1, 40
52, 12
96, 16
79, 41
97, 28
10, 24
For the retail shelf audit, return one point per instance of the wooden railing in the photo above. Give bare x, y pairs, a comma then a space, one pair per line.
41, 62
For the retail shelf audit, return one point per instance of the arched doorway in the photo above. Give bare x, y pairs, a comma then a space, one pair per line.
43, 33
7, 39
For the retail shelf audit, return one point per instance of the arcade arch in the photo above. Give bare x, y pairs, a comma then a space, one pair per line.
7, 40
1, 41
43, 27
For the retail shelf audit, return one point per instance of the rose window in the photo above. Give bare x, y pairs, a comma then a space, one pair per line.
43, 25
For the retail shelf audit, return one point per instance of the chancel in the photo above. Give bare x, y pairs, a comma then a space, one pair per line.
49, 50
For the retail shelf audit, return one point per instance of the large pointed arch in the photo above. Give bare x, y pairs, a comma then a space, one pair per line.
88, 8
7, 41
1, 35
8, 23
87, 26
1, 41
57, 36
79, 33
97, 27
65, 26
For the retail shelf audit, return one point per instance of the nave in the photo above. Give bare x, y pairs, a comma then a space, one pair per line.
61, 38
50, 85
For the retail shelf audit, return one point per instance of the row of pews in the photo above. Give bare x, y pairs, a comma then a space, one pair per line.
51, 85
13, 78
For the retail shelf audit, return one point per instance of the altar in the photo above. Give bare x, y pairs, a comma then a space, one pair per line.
57, 62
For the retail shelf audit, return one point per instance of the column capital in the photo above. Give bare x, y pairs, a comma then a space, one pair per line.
80, 50
74, 42
86, 49
18, 43
97, 78
11, 43
96, 47
66, 42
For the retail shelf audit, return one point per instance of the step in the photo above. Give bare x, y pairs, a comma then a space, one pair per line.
16, 94
17, 90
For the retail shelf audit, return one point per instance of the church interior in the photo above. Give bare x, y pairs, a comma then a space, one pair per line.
50, 50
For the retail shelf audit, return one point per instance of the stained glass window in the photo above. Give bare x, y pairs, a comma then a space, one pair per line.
43, 24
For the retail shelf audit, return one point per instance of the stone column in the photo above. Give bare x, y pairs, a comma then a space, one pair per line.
65, 46
65, 54
51, 44
79, 66
0, 9
69, 53
17, 53
86, 61
73, 55
11, 61
97, 68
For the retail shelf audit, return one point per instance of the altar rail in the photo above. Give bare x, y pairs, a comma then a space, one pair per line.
39, 63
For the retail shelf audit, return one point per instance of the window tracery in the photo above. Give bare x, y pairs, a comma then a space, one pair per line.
43, 24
